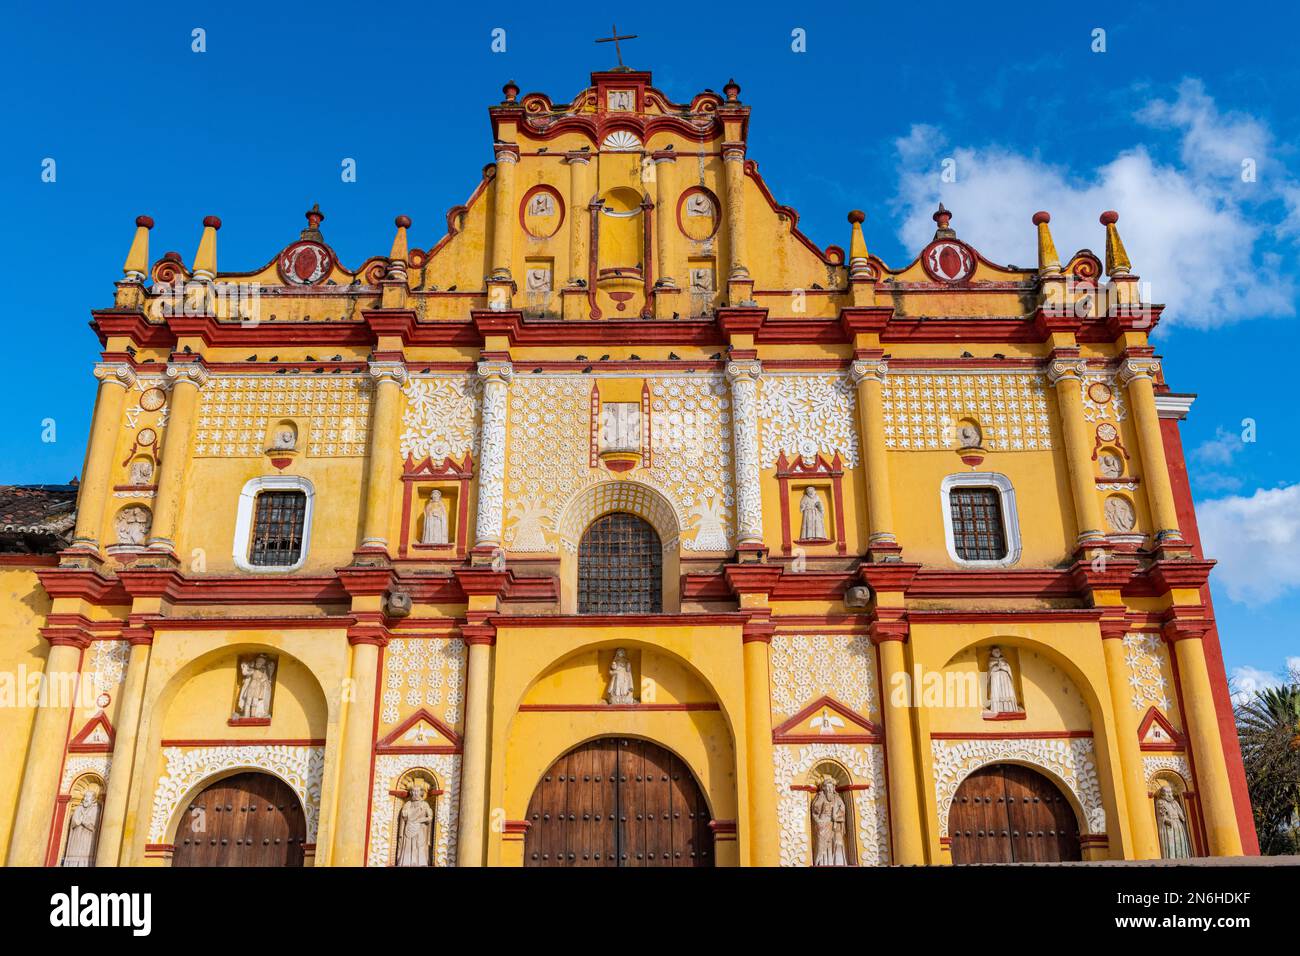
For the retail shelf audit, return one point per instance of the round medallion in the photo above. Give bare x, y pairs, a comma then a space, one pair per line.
948, 261
1099, 392
541, 212
153, 399
1107, 432
147, 437
697, 214
103, 700
305, 263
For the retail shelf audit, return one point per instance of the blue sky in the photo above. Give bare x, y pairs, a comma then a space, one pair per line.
254, 130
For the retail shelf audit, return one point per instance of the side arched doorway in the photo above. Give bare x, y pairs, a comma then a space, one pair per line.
1006, 813
249, 819
618, 801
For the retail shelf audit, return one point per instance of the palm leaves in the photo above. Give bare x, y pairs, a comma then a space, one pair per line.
1268, 726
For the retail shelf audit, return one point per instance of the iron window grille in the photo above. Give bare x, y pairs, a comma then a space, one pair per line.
620, 567
278, 528
978, 531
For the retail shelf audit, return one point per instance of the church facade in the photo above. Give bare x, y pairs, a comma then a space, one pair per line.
624, 525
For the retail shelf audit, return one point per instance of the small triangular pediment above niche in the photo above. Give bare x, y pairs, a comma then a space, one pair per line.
1157, 733
96, 737
421, 733
826, 720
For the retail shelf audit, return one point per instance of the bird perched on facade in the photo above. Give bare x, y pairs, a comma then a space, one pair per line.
604, 358
966, 355
537, 370
586, 370
130, 351
251, 358
634, 357
274, 358
674, 357
716, 356
580, 358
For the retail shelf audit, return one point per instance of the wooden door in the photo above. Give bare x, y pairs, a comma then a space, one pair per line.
1006, 813
618, 801
250, 819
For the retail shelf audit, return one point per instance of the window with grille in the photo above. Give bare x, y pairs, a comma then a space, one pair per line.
278, 528
977, 529
620, 567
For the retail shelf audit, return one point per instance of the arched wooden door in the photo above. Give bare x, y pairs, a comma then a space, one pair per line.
1005, 813
249, 819
618, 801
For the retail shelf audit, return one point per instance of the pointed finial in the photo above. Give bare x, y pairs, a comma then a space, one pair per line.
859, 266
1117, 263
137, 259
941, 218
398, 255
205, 260
732, 91
1049, 263
314, 218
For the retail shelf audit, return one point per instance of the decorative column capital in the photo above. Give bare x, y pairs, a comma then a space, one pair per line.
388, 371
119, 373
507, 154
747, 370
733, 152
1132, 369
1066, 368
193, 372
868, 369
577, 158
495, 370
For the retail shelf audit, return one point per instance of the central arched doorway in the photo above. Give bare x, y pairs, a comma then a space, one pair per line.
618, 801
249, 819
1006, 813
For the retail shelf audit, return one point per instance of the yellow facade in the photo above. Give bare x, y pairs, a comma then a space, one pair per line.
622, 320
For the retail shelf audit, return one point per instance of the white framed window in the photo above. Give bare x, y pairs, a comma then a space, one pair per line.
273, 524
980, 523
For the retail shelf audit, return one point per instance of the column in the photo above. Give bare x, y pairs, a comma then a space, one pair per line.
1066, 373
115, 378
905, 825
118, 785
734, 159
578, 202
389, 378
40, 787
470, 843
496, 378
743, 377
1207, 746
665, 215
1142, 825
764, 823
1138, 373
869, 377
357, 751
503, 226
187, 378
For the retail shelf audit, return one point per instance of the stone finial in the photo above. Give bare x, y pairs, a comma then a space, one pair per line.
137, 259
398, 255
941, 219
510, 91
1049, 263
1117, 261
732, 91
859, 266
314, 218
205, 260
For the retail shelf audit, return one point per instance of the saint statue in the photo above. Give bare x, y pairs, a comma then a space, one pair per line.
81, 835
1002, 688
620, 680
255, 688
141, 471
1171, 823
435, 520
415, 827
132, 526
1111, 466
537, 280
814, 516
828, 825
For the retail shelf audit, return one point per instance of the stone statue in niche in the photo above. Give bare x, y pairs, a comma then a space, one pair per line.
701, 281
1119, 515
829, 815
1002, 685
1111, 466
620, 100
537, 280
257, 679
435, 519
542, 204
415, 827
1171, 823
620, 680
83, 826
813, 512
132, 526
141, 471
698, 204
620, 426
968, 435
284, 439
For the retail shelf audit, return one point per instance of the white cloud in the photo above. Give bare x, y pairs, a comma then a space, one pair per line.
1219, 450
1190, 228
1247, 681
1256, 541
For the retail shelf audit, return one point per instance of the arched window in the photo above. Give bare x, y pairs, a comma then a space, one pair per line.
620, 567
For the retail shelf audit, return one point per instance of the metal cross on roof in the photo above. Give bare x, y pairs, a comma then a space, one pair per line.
614, 40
